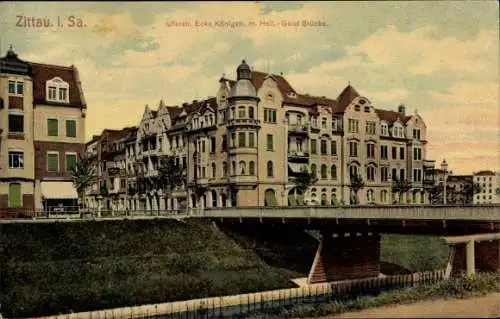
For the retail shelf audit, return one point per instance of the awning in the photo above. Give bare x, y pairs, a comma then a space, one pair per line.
58, 190
297, 168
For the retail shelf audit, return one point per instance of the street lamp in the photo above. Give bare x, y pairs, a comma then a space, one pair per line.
444, 167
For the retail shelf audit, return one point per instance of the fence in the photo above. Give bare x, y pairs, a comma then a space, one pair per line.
245, 304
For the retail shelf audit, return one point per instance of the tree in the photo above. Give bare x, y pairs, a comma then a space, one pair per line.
170, 175
400, 187
356, 184
82, 176
304, 181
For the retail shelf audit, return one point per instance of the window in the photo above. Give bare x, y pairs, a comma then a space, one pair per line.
384, 130
353, 149
250, 112
270, 169
383, 151
416, 134
251, 168
16, 123
313, 169
402, 174
233, 140
370, 173
333, 195
394, 153
52, 162
203, 146
270, 143
323, 172
15, 195
353, 126
241, 112
333, 148
417, 154
394, 175
70, 128
243, 168
251, 139
16, 159
401, 153
16, 88
370, 128
384, 174
213, 145
383, 196
70, 162
63, 94
57, 90
323, 147
313, 147
323, 123
241, 139
370, 150
269, 116
417, 175
224, 169
224, 143
298, 145
369, 195
214, 171
52, 127
299, 120
233, 168
333, 172
353, 171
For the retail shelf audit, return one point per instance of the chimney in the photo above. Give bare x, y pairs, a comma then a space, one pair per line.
401, 109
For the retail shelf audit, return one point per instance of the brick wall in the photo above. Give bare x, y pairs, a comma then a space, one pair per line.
343, 258
28, 205
41, 149
487, 257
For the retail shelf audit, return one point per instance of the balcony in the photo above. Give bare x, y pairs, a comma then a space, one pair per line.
243, 179
242, 150
300, 129
192, 129
15, 135
242, 122
298, 156
296, 169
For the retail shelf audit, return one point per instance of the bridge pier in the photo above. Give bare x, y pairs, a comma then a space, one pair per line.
346, 256
473, 253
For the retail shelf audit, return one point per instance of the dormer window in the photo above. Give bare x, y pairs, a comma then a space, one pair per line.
362, 102
357, 107
57, 90
384, 129
367, 109
292, 95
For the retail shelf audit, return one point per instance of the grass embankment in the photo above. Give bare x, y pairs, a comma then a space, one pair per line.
464, 287
55, 268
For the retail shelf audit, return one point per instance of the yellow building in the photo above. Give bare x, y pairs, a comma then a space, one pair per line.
246, 146
42, 130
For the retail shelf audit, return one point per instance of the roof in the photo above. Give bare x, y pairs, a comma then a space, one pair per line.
115, 135
45, 72
391, 116
459, 178
346, 97
484, 173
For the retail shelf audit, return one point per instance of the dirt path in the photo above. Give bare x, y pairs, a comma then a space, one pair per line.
479, 307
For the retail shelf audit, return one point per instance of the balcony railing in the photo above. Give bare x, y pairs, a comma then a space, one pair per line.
298, 128
298, 155
234, 122
243, 179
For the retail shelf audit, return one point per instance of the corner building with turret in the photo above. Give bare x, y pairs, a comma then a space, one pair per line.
246, 146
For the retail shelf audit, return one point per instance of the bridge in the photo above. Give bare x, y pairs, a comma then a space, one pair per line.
349, 247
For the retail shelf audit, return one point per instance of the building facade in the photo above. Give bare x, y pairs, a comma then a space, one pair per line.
248, 145
489, 183
42, 131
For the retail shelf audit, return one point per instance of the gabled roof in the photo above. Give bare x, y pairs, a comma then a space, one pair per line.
45, 72
391, 116
484, 173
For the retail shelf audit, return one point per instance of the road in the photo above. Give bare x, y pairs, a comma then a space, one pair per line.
478, 307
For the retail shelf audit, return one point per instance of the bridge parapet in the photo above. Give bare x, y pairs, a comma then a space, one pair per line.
399, 212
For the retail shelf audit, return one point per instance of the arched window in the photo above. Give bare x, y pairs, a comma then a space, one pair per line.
313, 169
243, 168
369, 196
224, 169
213, 171
223, 200
353, 171
370, 173
250, 112
233, 168
334, 197
323, 172
323, 199
269, 197
251, 168
270, 169
333, 172
214, 198
383, 196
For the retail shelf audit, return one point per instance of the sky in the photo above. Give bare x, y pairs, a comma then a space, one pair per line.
440, 59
